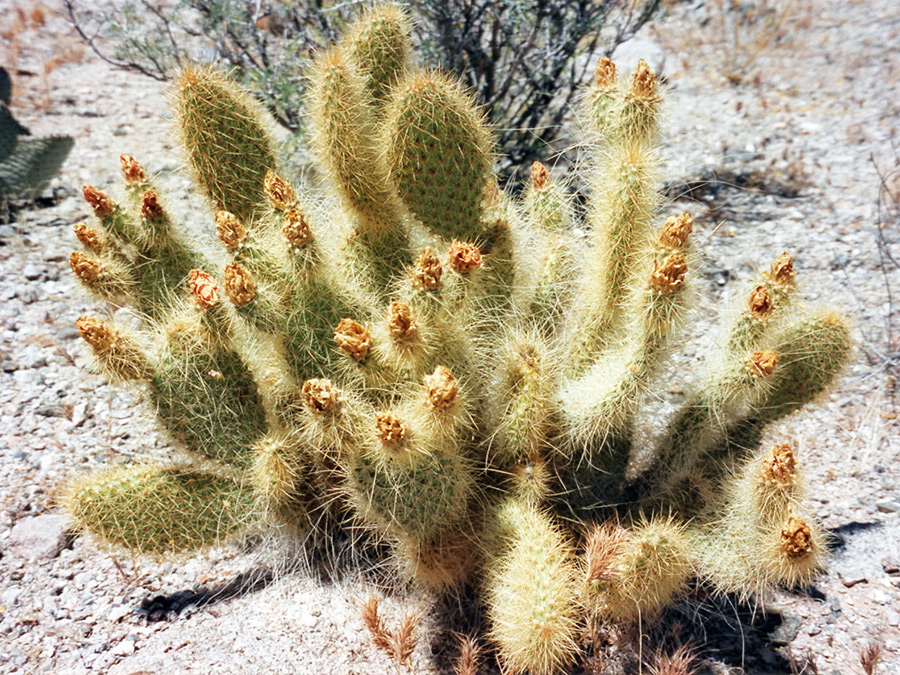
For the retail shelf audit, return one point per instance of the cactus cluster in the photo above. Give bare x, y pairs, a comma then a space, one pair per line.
458, 373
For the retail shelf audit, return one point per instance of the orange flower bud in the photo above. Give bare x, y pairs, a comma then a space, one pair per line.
464, 257
239, 285
279, 191
441, 388
101, 204
353, 338
676, 230
319, 395
151, 209
230, 230
204, 289
427, 271
668, 276
389, 428
132, 171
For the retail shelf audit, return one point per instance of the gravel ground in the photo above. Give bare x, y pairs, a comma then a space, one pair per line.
780, 162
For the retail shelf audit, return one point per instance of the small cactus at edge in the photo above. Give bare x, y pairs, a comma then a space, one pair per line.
451, 371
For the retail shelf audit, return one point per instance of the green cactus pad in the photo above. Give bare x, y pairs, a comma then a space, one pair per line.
31, 165
157, 510
420, 497
226, 140
438, 150
208, 400
379, 45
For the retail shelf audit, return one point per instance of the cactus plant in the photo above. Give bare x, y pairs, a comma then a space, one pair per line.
422, 357
27, 164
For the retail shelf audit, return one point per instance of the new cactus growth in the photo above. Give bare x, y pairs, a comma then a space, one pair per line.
452, 371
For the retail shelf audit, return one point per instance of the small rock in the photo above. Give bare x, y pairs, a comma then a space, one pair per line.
10, 596
79, 413
39, 537
852, 576
124, 648
888, 506
53, 410
32, 272
28, 296
117, 613
308, 620
788, 630
891, 566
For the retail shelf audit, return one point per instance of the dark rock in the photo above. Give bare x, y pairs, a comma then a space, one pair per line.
54, 410
32, 272
788, 630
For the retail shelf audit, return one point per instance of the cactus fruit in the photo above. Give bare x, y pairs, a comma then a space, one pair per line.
444, 368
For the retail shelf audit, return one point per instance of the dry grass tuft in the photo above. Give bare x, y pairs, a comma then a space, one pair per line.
469, 656
400, 645
680, 662
869, 657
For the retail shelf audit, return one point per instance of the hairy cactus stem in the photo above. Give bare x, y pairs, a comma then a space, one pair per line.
119, 355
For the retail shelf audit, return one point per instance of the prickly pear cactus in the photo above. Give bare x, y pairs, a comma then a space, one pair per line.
27, 164
452, 370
